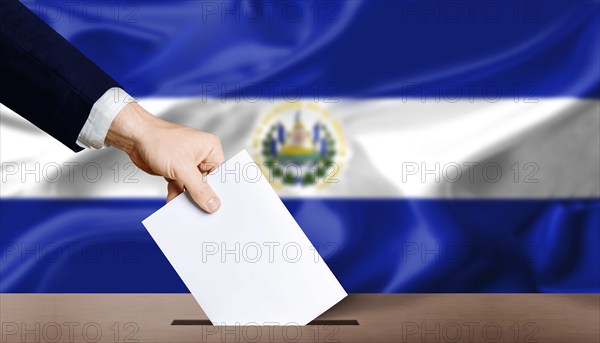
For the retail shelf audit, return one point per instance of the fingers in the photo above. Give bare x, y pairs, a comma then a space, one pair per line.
199, 189
174, 188
192, 178
214, 158
216, 155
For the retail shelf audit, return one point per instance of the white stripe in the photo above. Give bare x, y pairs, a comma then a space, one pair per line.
554, 141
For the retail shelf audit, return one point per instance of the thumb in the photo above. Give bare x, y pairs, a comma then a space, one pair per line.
200, 190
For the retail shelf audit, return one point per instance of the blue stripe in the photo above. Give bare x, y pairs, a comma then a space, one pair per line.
100, 246
331, 49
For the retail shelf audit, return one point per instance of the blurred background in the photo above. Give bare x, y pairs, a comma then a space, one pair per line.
423, 146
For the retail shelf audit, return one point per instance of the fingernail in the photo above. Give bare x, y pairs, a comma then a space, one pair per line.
213, 204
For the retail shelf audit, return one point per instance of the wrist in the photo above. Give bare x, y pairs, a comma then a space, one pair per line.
128, 127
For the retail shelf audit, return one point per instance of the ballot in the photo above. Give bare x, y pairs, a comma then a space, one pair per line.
249, 263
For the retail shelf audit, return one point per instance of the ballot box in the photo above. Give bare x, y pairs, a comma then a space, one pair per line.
358, 318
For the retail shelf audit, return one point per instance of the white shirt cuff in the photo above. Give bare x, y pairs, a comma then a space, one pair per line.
103, 112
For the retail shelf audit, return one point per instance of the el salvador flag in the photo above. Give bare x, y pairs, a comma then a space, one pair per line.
422, 146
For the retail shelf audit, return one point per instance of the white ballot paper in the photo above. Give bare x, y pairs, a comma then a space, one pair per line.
249, 263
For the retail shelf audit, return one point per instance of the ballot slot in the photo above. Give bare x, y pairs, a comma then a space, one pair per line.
206, 322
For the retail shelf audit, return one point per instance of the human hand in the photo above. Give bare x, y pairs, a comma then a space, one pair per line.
181, 154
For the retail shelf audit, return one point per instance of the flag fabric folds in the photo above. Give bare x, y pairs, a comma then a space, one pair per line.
422, 146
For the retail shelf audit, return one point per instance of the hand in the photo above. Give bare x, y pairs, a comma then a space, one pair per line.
181, 154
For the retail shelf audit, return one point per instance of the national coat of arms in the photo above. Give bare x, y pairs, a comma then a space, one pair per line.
299, 144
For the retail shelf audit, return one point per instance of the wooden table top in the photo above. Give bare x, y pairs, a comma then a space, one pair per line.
381, 318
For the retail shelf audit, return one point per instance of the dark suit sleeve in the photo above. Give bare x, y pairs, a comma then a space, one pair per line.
43, 77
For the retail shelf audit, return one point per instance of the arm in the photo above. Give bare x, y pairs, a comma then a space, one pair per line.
53, 85
43, 77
